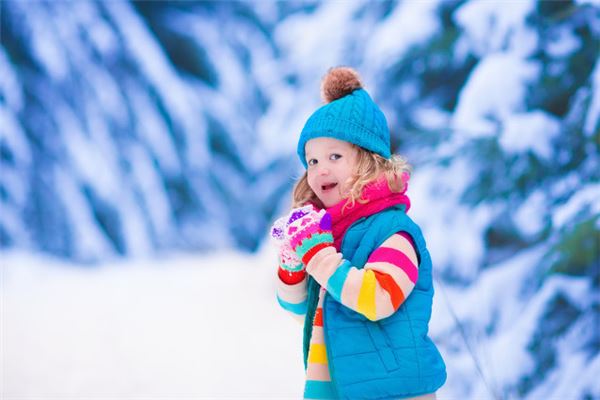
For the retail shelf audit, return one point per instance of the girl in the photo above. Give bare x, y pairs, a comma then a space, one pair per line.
352, 263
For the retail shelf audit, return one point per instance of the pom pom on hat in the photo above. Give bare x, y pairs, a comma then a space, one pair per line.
349, 115
339, 82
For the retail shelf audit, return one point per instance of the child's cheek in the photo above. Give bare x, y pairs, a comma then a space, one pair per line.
311, 184
345, 189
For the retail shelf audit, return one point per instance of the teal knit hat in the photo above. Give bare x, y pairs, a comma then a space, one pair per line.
350, 115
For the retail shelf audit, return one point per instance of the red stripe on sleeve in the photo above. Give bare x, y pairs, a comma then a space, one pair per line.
389, 284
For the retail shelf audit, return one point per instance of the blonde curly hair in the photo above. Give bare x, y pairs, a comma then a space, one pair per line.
369, 167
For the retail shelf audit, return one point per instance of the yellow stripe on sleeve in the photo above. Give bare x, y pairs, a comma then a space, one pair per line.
317, 354
366, 296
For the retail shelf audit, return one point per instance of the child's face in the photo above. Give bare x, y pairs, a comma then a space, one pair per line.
331, 163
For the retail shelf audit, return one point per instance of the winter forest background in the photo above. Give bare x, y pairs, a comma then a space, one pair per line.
145, 148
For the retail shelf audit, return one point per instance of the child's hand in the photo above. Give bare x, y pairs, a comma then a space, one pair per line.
291, 270
279, 227
308, 231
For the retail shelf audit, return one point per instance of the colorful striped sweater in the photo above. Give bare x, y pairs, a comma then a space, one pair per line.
376, 291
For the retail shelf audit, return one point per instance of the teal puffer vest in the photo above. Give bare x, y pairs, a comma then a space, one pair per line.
390, 358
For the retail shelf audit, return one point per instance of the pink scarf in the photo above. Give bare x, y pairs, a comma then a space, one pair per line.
379, 198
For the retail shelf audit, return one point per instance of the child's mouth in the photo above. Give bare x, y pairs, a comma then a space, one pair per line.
328, 187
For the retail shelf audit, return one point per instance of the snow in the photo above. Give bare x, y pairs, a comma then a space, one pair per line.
590, 2
92, 244
501, 299
592, 121
48, 52
155, 200
572, 377
500, 35
564, 44
234, 100
14, 192
83, 155
11, 224
446, 222
98, 32
586, 196
154, 65
496, 26
281, 125
520, 330
580, 380
533, 131
323, 32
432, 118
10, 87
411, 23
151, 127
531, 216
492, 284
13, 137
181, 327
580, 369
109, 95
495, 90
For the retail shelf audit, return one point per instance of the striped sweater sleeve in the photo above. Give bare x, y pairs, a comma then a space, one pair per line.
378, 289
292, 298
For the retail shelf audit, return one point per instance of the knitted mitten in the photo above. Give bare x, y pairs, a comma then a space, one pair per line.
291, 270
308, 232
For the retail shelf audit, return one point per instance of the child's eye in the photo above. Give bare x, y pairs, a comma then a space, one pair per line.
312, 161
335, 156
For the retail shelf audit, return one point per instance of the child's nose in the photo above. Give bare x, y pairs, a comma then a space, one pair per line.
323, 171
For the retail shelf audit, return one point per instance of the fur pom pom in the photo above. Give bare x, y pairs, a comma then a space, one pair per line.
339, 82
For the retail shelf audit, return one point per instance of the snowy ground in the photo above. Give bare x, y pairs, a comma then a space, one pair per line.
183, 327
